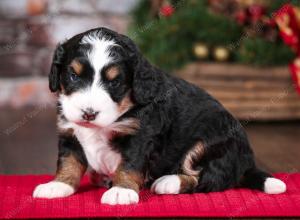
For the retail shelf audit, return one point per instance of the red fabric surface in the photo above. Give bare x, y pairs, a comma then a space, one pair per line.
16, 202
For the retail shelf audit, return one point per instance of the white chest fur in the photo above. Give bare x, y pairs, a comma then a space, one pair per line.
99, 154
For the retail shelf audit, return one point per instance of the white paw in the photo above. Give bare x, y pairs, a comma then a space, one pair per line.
53, 189
119, 195
169, 184
274, 186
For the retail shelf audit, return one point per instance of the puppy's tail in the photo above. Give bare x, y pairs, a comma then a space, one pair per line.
257, 179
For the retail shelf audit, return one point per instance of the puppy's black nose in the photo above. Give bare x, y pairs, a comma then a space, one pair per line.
89, 114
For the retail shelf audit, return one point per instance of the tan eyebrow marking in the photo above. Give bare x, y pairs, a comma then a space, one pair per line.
112, 72
77, 66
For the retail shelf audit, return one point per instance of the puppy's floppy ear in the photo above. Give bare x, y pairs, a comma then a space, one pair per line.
146, 77
54, 75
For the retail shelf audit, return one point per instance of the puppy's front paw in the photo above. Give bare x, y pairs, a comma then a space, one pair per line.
168, 184
119, 195
53, 189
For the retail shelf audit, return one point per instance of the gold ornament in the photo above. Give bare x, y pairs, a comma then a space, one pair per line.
221, 54
201, 51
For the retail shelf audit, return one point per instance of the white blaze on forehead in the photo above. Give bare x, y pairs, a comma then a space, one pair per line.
95, 96
99, 54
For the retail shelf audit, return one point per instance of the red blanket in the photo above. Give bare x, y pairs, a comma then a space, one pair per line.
16, 202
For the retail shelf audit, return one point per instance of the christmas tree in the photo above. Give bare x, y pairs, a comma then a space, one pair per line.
173, 33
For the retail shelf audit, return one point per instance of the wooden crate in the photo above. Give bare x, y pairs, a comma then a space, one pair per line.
252, 94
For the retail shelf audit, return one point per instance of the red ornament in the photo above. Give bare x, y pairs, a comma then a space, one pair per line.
291, 39
295, 70
256, 12
270, 22
288, 21
167, 10
241, 17
250, 15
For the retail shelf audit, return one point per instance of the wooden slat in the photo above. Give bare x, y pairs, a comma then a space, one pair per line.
237, 84
268, 104
259, 115
266, 92
266, 95
234, 70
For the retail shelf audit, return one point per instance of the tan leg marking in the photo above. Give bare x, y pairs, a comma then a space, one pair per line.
192, 156
128, 179
187, 183
70, 171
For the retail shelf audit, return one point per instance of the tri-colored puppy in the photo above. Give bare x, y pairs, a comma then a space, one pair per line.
137, 126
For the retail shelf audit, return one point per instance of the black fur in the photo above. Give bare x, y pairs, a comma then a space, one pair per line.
54, 76
69, 145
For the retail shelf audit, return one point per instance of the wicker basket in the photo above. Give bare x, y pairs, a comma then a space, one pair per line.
253, 94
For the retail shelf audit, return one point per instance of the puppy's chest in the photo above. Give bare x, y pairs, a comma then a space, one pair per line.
100, 155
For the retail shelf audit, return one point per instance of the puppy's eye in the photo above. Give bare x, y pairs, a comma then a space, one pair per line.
74, 77
114, 83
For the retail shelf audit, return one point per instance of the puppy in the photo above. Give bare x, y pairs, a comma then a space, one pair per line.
137, 126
